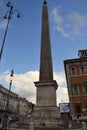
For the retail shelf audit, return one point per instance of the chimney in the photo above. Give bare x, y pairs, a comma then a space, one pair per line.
82, 53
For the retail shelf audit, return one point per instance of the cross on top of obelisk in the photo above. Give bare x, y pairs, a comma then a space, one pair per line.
44, 2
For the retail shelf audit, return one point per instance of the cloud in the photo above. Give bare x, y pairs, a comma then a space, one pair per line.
1, 4
60, 78
62, 93
3, 24
24, 86
71, 25
58, 21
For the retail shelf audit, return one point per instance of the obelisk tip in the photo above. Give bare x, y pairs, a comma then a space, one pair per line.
45, 2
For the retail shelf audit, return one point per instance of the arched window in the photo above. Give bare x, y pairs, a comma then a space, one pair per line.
75, 89
82, 69
73, 70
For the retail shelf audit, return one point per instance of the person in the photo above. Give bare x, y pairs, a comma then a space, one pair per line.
78, 117
0, 119
66, 120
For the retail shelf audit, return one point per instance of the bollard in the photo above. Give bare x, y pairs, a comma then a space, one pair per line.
84, 127
31, 125
70, 125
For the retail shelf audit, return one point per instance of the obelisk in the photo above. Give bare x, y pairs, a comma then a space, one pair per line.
46, 111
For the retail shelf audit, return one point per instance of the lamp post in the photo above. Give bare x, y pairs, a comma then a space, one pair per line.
5, 118
8, 16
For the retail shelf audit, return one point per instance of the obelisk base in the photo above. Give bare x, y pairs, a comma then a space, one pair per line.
45, 116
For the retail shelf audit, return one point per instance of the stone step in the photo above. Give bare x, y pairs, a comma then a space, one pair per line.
56, 129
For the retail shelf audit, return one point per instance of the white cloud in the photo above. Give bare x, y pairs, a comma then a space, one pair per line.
59, 22
24, 86
71, 25
1, 4
60, 78
62, 95
3, 24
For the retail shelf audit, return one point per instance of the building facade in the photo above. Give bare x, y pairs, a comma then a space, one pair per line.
76, 76
19, 107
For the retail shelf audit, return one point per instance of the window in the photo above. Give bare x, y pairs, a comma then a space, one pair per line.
75, 89
78, 108
82, 69
85, 88
73, 72
86, 105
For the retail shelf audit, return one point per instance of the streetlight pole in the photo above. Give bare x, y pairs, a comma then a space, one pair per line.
8, 16
5, 118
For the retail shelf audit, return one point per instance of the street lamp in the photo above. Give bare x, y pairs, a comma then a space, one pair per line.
5, 118
8, 16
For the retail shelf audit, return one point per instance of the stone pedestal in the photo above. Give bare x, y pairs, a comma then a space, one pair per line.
46, 112
46, 116
46, 93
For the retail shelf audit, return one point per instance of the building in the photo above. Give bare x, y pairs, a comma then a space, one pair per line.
13, 100
76, 76
24, 109
46, 111
19, 107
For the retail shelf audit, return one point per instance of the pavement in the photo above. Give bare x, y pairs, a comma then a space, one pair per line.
14, 129
74, 124
56, 129
43, 129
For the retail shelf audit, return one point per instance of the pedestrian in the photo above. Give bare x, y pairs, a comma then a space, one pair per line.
78, 118
0, 119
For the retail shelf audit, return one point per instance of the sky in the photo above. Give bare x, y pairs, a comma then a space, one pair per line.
68, 33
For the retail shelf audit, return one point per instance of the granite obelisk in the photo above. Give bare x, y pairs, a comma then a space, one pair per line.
46, 111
